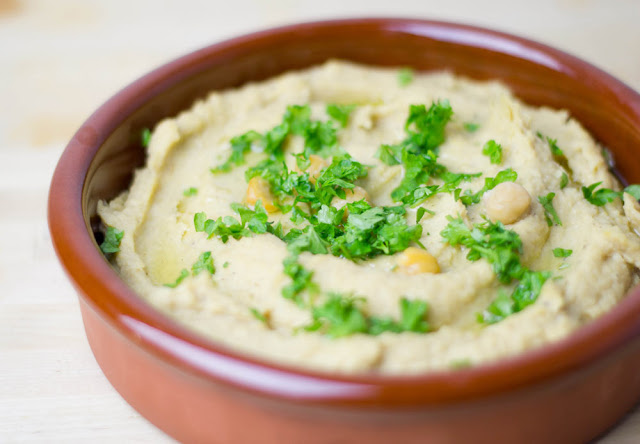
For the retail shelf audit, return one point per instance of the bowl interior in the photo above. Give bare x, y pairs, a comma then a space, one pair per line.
101, 158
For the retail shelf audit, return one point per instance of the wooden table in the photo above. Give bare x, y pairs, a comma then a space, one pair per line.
61, 59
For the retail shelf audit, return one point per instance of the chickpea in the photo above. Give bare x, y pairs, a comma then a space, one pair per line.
507, 202
258, 190
415, 261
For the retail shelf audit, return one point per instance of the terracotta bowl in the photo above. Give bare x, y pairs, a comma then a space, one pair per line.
199, 391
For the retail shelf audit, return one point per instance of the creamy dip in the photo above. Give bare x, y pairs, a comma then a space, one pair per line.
586, 255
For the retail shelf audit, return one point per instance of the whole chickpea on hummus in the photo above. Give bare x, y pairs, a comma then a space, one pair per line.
345, 218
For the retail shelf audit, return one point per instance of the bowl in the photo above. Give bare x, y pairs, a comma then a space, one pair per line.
200, 391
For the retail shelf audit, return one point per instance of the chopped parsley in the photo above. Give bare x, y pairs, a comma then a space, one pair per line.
599, 197
634, 190
301, 281
425, 130
145, 137
493, 150
602, 196
251, 222
340, 113
561, 252
226, 264
204, 263
342, 315
550, 213
262, 317
368, 232
470, 198
564, 181
471, 127
405, 76
553, 144
501, 248
525, 293
112, 239
183, 274
421, 212
319, 138
191, 191
492, 241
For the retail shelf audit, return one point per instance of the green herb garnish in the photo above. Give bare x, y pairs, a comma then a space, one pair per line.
469, 198
251, 222
604, 195
633, 190
501, 248
561, 252
553, 144
112, 239
301, 281
191, 191
471, 127
204, 263
342, 316
525, 294
425, 130
550, 213
405, 76
145, 137
421, 212
183, 274
262, 317
564, 181
599, 197
493, 150
340, 113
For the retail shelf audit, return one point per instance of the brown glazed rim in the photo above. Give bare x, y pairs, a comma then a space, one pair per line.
194, 355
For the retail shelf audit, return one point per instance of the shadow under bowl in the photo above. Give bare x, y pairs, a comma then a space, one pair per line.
200, 391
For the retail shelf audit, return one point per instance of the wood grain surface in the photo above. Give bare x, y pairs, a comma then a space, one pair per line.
61, 59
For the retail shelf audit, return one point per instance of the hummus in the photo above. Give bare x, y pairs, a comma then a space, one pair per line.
467, 298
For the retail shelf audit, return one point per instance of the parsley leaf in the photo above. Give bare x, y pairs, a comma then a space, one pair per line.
549, 212
421, 212
240, 145
204, 263
469, 198
390, 154
561, 252
634, 190
145, 137
301, 281
405, 76
183, 274
524, 294
604, 195
340, 113
417, 153
112, 239
493, 150
553, 144
564, 181
599, 197
319, 138
342, 316
262, 317
471, 127
251, 222
492, 241
191, 191
501, 248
